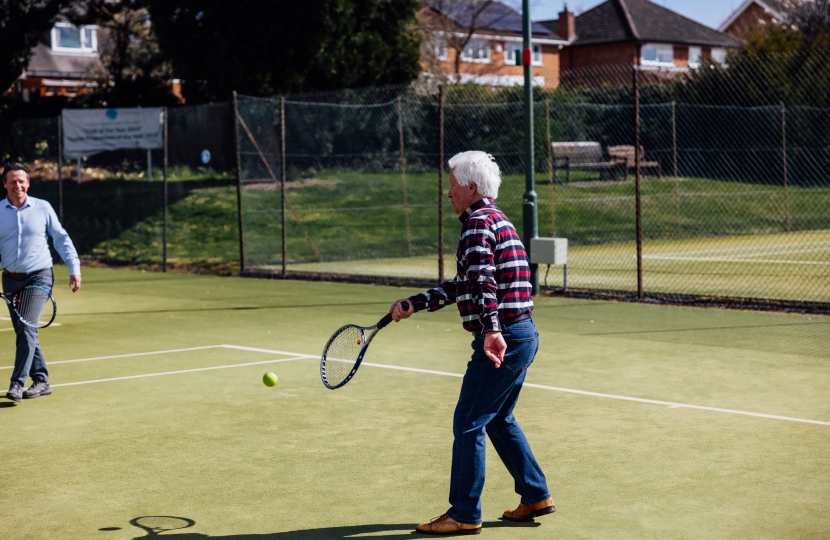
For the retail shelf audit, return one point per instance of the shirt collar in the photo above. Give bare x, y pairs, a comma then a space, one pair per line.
27, 203
478, 205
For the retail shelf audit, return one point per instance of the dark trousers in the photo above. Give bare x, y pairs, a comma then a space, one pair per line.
29, 360
485, 405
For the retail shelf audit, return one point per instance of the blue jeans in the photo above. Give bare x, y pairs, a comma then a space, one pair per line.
488, 396
29, 360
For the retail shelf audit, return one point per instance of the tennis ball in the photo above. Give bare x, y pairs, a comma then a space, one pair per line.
269, 379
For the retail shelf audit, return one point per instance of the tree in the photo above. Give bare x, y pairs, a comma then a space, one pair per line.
451, 24
132, 70
806, 27
265, 48
21, 21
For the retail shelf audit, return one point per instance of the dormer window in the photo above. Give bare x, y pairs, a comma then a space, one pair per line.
74, 39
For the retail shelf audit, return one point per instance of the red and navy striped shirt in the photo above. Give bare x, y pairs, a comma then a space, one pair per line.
493, 279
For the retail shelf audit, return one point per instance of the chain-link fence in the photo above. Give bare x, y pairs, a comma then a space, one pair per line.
729, 185
731, 180
114, 204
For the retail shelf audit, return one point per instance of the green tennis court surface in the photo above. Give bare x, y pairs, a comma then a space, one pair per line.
650, 421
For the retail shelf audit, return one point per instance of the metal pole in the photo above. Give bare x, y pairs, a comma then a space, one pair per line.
529, 202
550, 170
674, 157
149, 165
60, 168
403, 178
440, 183
784, 162
166, 200
638, 209
79, 171
238, 185
283, 170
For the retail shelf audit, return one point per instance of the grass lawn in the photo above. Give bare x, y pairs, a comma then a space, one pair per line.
158, 410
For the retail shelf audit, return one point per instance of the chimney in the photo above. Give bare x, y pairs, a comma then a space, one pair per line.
566, 26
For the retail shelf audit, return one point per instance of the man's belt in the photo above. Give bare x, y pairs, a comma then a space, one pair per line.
19, 276
507, 322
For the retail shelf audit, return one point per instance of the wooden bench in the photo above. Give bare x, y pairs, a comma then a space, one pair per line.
581, 156
625, 155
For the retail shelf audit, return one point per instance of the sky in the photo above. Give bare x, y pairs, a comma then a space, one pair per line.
709, 12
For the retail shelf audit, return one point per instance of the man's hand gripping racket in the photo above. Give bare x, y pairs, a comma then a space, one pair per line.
345, 350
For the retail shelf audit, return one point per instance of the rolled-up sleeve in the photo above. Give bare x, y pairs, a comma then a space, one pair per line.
63, 244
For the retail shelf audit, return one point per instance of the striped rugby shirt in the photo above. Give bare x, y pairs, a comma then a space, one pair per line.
493, 279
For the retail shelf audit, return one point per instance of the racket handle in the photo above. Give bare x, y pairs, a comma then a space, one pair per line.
384, 322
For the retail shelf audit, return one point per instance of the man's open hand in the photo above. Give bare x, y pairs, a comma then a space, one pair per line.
495, 347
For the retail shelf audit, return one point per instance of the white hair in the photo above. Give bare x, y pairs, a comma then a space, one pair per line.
479, 168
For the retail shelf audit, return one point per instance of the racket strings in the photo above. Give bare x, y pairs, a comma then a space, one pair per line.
29, 304
342, 354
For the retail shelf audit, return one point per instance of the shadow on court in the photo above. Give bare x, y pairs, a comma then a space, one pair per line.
7, 404
157, 526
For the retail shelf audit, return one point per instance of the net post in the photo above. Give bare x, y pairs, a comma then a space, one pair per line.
235, 106
440, 183
283, 171
784, 163
166, 200
638, 206
60, 167
530, 207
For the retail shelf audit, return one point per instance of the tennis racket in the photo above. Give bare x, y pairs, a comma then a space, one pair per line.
345, 350
33, 305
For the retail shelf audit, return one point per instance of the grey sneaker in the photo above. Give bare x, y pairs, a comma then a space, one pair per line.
38, 388
15, 392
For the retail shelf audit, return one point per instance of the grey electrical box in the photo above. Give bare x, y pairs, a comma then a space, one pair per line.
549, 250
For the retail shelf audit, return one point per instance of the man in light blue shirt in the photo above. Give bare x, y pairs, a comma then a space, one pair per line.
25, 225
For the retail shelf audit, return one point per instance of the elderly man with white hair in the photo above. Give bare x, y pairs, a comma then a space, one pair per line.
493, 292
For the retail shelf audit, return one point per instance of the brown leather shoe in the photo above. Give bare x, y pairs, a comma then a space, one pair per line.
446, 526
526, 512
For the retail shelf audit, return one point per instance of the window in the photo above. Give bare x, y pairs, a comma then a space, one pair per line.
719, 56
476, 51
510, 54
440, 48
657, 55
68, 38
694, 57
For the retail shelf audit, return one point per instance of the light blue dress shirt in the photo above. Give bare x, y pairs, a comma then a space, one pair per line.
24, 247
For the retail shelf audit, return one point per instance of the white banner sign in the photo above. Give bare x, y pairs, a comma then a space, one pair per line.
89, 131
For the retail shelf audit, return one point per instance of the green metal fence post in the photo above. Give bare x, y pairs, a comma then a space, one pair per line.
530, 211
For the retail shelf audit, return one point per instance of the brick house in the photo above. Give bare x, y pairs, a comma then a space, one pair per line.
752, 15
490, 40
613, 32
61, 62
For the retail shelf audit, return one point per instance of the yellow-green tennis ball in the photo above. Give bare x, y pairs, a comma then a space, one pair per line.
269, 379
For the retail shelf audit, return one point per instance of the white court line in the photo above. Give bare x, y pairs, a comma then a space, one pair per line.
127, 355
145, 375
725, 259
612, 396
301, 356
